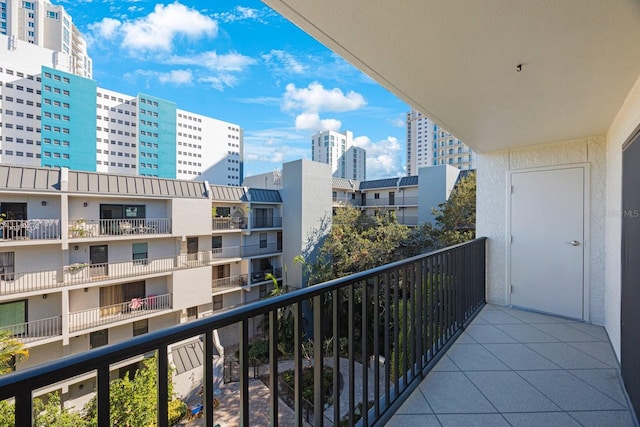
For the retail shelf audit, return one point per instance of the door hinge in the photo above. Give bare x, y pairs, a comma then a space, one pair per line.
511, 239
512, 189
511, 289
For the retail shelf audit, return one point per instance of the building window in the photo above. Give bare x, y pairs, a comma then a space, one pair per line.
192, 313
140, 253
263, 240
218, 302
7, 264
140, 327
216, 242
99, 338
376, 196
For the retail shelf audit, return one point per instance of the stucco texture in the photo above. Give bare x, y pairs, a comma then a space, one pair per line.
492, 209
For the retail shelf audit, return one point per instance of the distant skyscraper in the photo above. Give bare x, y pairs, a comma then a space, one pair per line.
429, 145
46, 25
337, 149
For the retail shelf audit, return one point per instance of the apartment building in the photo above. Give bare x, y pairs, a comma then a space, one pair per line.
430, 145
43, 24
337, 149
53, 118
89, 259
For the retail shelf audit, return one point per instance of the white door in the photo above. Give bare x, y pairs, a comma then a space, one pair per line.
547, 241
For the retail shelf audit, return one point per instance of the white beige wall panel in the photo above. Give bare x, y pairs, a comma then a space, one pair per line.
156, 285
191, 287
44, 308
191, 217
160, 322
493, 169
42, 354
623, 127
80, 300
121, 333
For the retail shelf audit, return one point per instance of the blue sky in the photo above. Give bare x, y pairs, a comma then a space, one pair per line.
242, 62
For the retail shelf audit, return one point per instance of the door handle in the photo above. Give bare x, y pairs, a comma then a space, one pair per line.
574, 243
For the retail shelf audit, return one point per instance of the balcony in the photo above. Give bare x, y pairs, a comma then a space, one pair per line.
100, 316
266, 222
85, 228
259, 276
30, 229
384, 328
347, 201
392, 201
228, 282
261, 249
229, 223
36, 330
228, 252
83, 273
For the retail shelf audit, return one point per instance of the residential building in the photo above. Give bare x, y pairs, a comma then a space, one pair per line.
429, 145
337, 149
41, 23
54, 118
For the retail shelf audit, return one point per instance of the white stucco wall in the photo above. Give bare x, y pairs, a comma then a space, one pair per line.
435, 184
623, 127
492, 209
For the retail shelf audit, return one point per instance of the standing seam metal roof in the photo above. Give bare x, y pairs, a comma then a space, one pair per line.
227, 193
29, 178
260, 195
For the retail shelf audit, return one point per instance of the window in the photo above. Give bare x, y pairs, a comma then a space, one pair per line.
392, 198
99, 338
192, 313
216, 242
263, 240
218, 302
140, 327
376, 196
140, 253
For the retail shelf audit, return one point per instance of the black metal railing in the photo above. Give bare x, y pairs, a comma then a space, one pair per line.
399, 318
266, 222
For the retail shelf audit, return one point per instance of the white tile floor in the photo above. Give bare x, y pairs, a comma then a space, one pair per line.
517, 368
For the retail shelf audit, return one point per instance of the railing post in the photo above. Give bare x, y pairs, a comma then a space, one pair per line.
102, 397
207, 381
297, 355
244, 373
273, 367
23, 408
163, 387
318, 365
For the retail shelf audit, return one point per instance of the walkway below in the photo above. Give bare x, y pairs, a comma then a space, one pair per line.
517, 368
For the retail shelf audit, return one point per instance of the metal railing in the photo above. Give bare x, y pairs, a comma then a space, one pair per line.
136, 307
347, 201
229, 282
259, 276
229, 223
268, 222
36, 330
83, 228
406, 313
33, 229
228, 252
391, 201
253, 250
82, 273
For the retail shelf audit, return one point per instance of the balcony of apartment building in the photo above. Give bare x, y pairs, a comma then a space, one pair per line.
95, 228
33, 318
225, 223
229, 282
24, 222
391, 201
262, 248
346, 200
118, 303
94, 272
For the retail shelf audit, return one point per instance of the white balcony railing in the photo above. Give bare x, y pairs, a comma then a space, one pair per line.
136, 307
82, 273
36, 330
229, 223
228, 282
30, 229
84, 228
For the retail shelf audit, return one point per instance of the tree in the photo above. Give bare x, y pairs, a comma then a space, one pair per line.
455, 220
12, 352
133, 399
52, 414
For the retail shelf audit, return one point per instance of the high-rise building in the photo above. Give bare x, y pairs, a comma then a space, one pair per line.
337, 149
430, 145
54, 118
46, 25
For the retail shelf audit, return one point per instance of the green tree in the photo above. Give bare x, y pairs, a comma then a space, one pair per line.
455, 220
52, 414
12, 352
133, 400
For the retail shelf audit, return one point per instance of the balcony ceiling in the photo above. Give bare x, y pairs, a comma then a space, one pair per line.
455, 61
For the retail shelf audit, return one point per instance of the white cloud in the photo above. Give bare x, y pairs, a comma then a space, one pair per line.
384, 158
106, 28
178, 77
312, 122
282, 62
315, 98
158, 30
227, 62
220, 81
241, 13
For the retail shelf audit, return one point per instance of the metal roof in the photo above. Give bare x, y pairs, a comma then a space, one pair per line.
409, 181
379, 183
259, 195
226, 193
129, 185
345, 184
29, 178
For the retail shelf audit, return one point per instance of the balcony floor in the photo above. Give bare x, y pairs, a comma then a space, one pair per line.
517, 368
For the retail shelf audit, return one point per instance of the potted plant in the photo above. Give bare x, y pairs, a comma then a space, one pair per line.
74, 268
78, 229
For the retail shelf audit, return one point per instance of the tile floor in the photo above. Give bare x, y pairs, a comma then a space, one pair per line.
518, 368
